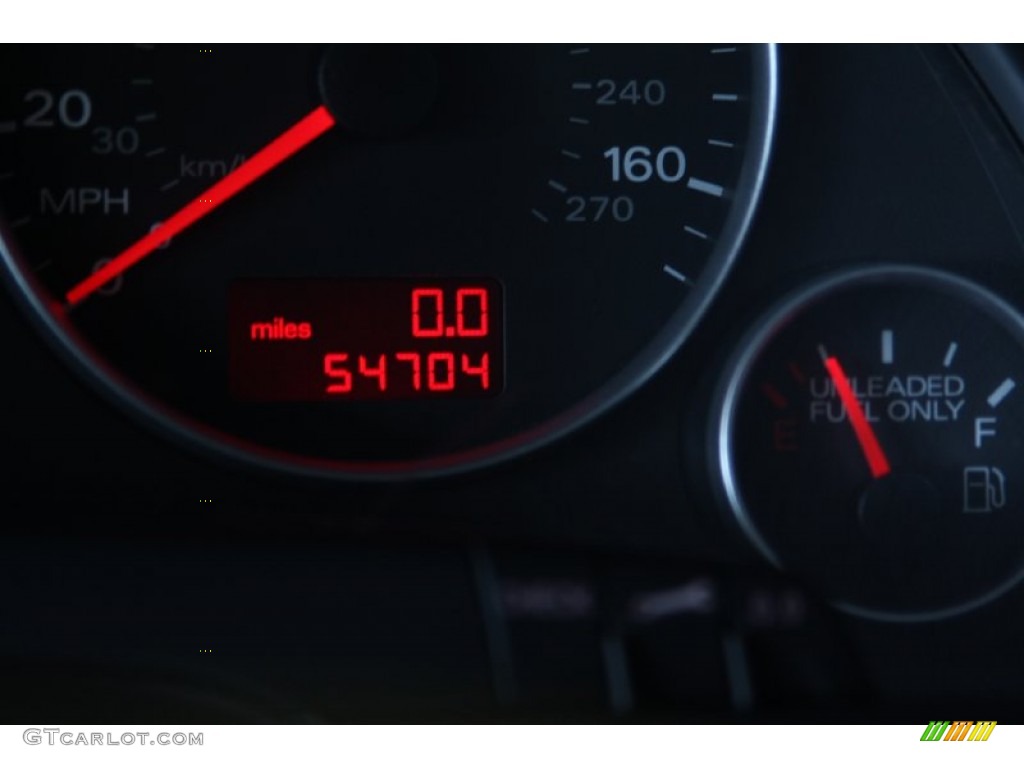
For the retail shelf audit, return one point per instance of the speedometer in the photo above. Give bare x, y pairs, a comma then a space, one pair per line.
376, 260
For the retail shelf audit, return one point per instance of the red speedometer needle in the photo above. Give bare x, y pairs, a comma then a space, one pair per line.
869, 444
273, 154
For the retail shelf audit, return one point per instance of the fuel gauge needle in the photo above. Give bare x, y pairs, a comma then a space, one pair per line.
273, 154
877, 461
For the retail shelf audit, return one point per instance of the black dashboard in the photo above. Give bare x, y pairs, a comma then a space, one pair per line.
788, 494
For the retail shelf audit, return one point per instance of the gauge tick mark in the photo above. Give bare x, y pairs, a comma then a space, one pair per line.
699, 185
675, 273
1000, 392
950, 354
579, 121
557, 186
776, 398
538, 215
796, 373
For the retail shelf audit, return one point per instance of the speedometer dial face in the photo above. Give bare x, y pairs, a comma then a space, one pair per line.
376, 260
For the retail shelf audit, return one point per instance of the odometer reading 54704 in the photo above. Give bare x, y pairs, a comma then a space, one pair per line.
303, 340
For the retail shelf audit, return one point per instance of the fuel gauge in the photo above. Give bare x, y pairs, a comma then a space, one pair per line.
869, 437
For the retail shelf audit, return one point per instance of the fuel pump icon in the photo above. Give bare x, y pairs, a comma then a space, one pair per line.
984, 489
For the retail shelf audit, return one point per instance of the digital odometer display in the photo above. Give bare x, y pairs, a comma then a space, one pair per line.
301, 340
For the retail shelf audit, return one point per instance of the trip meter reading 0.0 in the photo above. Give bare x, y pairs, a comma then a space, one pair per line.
869, 440
163, 204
